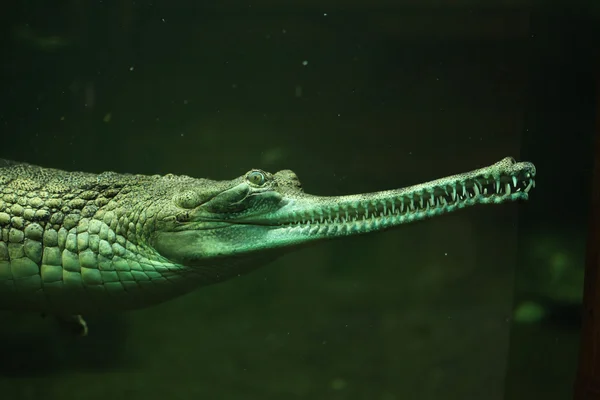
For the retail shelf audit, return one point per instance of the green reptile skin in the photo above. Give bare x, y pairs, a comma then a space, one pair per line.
74, 242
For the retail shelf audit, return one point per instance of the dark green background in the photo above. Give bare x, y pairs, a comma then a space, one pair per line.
393, 94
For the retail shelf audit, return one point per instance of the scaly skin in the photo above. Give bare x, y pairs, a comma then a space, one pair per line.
74, 242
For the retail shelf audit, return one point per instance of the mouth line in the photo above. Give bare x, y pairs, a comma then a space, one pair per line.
204, 225
412, 204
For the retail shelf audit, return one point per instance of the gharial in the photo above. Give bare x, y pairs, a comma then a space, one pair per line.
72, 243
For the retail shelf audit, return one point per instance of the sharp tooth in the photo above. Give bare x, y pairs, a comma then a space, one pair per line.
453, 193
432, 201
497, 184
514, 179
484, 190
476, 189
507, 188
393, 206
421, 201
528, 188
384, 208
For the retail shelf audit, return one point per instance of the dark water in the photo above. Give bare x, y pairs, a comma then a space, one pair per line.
482, 304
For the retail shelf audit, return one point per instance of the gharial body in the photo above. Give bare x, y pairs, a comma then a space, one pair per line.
72, 243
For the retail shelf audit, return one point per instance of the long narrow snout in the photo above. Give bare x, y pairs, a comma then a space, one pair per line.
317, 216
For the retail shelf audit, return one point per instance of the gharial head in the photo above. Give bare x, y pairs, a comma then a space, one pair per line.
260, 211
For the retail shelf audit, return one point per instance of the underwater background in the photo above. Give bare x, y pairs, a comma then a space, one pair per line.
353, 96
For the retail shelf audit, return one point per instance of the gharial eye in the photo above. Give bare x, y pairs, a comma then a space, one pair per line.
256, 178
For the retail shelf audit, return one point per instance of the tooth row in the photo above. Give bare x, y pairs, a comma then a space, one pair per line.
421, 202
